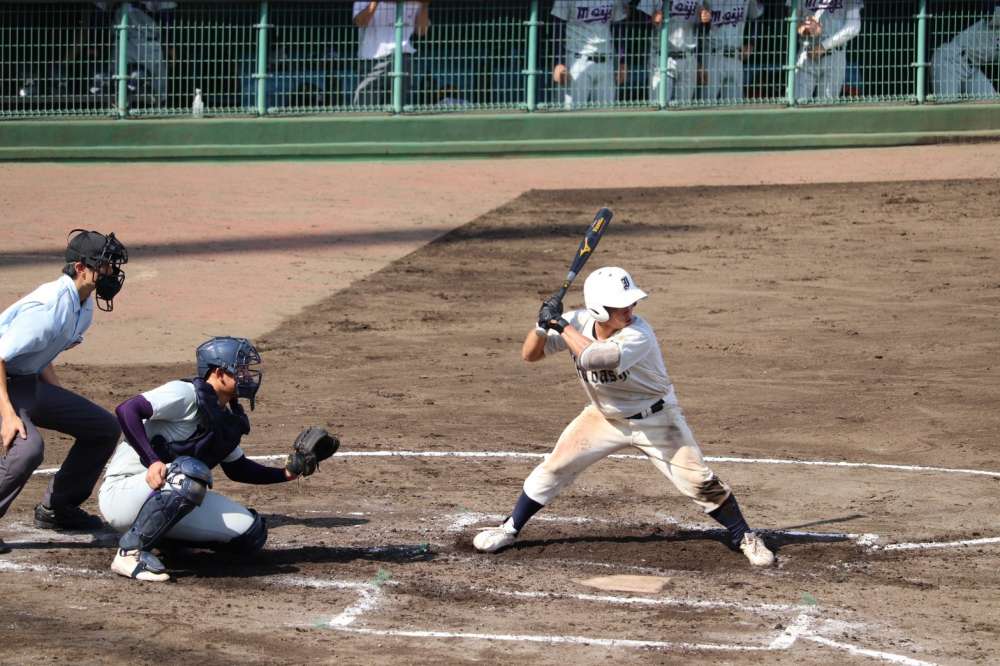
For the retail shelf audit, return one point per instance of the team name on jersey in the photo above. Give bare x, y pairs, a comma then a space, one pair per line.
684, 8
828, 5
601, 376
729, 17
600, 14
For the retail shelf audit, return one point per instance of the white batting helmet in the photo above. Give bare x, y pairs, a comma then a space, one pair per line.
610, 287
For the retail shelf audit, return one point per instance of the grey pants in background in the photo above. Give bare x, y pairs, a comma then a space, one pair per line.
42, 405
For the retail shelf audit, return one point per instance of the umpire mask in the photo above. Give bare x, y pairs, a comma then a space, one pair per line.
95, 250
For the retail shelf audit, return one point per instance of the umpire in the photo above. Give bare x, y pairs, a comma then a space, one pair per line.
33, 331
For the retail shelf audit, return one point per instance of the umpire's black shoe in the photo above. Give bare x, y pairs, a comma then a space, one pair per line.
4, 548
70, 518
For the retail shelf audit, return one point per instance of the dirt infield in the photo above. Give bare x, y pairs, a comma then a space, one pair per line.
834, 346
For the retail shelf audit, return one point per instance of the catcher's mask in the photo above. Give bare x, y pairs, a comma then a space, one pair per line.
95, 250
235, 356
610, 287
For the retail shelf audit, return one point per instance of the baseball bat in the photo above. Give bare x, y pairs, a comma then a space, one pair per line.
587, 246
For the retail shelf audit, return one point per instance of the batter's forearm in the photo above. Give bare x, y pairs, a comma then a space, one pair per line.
533, 348
575, 341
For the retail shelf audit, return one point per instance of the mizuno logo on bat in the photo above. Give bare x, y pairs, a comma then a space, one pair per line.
598, 225
586, 247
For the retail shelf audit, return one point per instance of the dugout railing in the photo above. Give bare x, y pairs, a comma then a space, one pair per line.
271, 58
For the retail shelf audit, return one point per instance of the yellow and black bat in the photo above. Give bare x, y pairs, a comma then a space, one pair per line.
587, 246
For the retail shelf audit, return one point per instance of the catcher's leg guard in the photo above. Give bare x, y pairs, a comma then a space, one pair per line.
249, 542
188, 479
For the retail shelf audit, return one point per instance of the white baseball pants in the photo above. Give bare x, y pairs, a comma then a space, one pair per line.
663, 437
218, 519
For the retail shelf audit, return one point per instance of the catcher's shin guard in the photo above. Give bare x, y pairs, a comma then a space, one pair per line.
188, 479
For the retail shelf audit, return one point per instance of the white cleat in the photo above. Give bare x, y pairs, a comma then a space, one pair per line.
140, 565
492, 539
755, 550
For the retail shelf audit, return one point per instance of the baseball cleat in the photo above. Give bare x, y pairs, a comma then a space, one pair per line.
69, 518
492, 539
756, 551
140, 565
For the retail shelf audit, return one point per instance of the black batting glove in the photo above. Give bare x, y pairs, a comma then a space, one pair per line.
557, 324
552, 308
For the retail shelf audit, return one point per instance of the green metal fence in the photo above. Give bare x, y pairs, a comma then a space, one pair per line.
123, 59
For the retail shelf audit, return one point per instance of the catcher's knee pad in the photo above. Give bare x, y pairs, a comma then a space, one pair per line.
188, 479
250, 541
543, 486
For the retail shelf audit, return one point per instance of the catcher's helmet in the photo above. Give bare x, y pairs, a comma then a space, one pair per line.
94, 250
235, 356
610, 287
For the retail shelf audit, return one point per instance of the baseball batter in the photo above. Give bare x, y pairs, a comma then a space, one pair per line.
157, 482
594, 67
825, 26
725, 48
958, 64
682, 60
632, 403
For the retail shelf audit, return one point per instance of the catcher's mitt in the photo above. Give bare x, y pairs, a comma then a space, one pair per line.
312, 445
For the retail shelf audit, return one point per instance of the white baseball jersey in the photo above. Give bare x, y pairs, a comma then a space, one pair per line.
588, 24
981, 40
729, 17
639, 380
378, 38
839, 19
682, 24
175, 417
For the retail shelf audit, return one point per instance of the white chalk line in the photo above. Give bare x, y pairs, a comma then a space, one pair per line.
800, 627
864, 540
725, 459
865, 652
370, 597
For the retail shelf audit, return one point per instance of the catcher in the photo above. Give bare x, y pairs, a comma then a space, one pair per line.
157, 483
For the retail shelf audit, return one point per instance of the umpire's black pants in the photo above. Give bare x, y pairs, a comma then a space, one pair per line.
42, 405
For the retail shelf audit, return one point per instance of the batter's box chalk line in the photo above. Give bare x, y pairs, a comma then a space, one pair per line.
802, 623
868, 541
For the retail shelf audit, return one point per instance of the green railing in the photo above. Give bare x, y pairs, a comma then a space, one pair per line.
121, 59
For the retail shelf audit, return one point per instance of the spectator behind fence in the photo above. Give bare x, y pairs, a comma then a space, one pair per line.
726, 49
376, 23
958, 64
145, 41
682, 46
825, 27
585, 39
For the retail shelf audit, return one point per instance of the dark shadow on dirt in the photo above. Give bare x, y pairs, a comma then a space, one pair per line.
185, 563
277, 520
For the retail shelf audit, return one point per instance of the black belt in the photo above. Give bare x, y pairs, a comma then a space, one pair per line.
655, 407
679, 54
728, 53
594, 57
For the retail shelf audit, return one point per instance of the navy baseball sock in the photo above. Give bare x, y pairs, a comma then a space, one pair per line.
729, 516
523, 511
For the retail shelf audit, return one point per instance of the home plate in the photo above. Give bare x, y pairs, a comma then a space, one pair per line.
628, 583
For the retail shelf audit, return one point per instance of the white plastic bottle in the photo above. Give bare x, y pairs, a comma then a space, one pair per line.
197, 106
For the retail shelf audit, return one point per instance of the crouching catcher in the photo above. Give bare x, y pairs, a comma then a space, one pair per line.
158, 482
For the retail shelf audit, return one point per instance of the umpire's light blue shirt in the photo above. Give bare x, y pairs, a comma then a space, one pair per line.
38, 327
